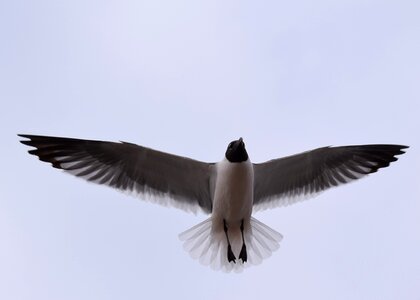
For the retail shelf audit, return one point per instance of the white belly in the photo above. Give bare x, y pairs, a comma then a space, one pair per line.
234, 192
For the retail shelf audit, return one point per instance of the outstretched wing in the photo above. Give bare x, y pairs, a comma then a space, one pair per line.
167, 178
290, 179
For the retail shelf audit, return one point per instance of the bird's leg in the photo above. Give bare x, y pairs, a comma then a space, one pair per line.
230, 255
243, 255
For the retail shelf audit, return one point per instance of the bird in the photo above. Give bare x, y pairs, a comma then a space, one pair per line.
229, 190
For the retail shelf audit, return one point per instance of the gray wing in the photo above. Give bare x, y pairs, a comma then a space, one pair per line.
167, 178
290, 179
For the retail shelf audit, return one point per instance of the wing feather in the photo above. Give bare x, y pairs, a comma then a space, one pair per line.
168, 178
312, 172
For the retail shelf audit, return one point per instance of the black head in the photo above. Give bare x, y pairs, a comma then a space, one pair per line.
236, 152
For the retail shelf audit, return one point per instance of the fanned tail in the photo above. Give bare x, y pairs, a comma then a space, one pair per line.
209, 246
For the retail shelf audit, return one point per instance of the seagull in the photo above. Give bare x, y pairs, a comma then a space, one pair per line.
229, 190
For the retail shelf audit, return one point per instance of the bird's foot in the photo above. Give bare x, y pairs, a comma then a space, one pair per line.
230, 255
243, 255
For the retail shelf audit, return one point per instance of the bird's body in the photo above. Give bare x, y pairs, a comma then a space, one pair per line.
233, 192
232, 201
229, 190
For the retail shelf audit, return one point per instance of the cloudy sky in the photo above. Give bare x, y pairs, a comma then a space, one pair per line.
187, 77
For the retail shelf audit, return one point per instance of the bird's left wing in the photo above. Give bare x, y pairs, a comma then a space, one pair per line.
162, 177
287, 180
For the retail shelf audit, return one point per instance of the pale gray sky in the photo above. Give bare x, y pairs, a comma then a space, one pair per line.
187, 77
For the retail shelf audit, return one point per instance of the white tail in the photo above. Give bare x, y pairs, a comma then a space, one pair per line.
210, 246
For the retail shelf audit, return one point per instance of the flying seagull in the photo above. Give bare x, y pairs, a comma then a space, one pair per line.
230, 239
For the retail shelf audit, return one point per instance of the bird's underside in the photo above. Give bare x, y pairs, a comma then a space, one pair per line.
190, 184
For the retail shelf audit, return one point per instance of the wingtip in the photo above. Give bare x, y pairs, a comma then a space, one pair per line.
403, 149
25, 136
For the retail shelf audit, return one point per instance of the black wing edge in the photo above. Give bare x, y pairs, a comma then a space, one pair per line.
382, 154
43, 145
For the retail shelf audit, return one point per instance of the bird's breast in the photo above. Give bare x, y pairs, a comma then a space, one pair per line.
234, 189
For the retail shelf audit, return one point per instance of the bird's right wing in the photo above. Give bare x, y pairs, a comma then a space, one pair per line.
164, 178
290, 179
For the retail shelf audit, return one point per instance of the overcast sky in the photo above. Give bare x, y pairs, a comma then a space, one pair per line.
187, 77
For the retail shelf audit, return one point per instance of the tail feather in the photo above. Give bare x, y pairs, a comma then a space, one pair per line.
210, 246
196, 238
